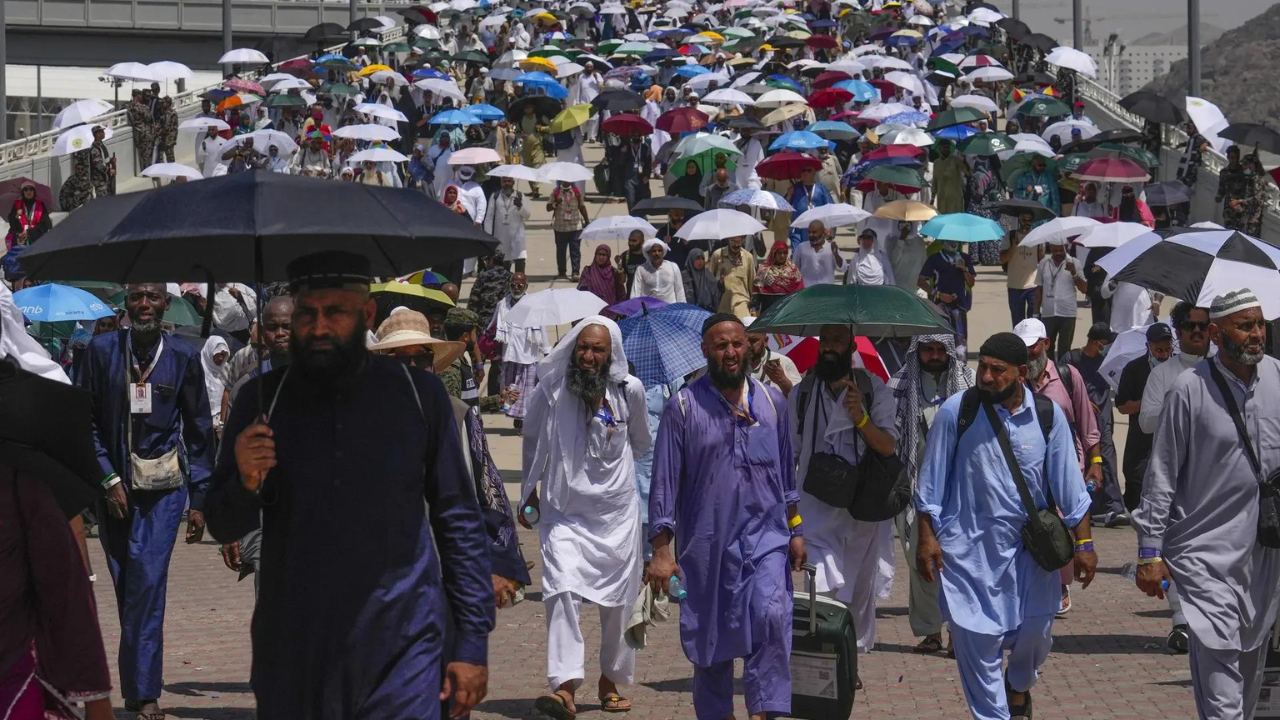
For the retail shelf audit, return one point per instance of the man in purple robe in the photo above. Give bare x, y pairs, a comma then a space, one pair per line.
723, 479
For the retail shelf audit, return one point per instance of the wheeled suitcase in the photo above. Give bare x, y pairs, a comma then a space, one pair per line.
824, 656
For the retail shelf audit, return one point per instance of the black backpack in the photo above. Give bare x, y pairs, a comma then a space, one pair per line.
970, 404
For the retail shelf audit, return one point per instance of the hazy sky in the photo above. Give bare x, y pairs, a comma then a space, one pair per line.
1134, 18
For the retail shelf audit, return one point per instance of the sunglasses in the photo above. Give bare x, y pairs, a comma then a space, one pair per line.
423, 359
1189, 325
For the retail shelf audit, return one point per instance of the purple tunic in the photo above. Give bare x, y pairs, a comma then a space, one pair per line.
722, 486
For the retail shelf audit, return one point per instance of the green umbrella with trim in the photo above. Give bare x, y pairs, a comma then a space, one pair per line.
1072, 162
285, 101
986, 144
1142, 156
900, 175
1044, 107
944, 65
870, 310
1020, 163
955, 116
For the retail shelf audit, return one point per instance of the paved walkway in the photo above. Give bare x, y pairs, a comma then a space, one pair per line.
1108, 660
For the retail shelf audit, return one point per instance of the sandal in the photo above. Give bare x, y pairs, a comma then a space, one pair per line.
554, 706
857, 682
611, 703
1018, 712
929, 646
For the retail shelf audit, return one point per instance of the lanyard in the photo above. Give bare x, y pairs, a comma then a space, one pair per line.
605, 416
155, 359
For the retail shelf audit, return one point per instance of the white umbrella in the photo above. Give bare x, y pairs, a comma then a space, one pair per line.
494, 21
554, 307
510, 58
1029, 146
906, 81
870, 48
989, 74
77, 138
719, 224
291, 83
832, 216
265, 138
909, 136
1062, 130
200, 123
884, 110
851, 66
762, 199
1112, 234
636, 37
474, 156
1207, 116
381, 111
275, 77
563, 172
703, 81
921, 20
427, 32
1127, 347
745, 79
368, 131
443, 88
728, 96
518, 172
568, 69
617, 227
887, 63
377, 155
81, 111
132, 71
1058, 230
243, 56
779, 97
1072, 59
169, 171
979, 102
985, 17
170, 70
382, 76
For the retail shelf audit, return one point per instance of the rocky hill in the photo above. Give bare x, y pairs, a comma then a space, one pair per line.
1238, 71
1208, 33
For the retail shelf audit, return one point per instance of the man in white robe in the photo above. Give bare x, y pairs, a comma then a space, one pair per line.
752, 153
588, 420
588, 89
472, 193
883, 227
504, 219
1198, 520
829, 413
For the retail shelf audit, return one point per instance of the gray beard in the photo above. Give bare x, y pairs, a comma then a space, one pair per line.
149, 327
1037, 366
587, 385
1237, 352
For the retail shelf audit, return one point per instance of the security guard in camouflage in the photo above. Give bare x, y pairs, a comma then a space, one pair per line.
462, 378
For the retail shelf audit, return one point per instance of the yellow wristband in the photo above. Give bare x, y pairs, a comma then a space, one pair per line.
1081, 542
1149, 561
1095, 460
794, 521
863, 422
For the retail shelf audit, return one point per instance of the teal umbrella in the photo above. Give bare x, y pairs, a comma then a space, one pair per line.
870, 310
899, 175
962, 227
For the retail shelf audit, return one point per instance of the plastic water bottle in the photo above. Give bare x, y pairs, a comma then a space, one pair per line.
1130, 573
675, 589
1092, 486
531, 514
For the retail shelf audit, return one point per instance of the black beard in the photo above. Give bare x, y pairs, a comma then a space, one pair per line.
589, 385
1237, 352
935, 367
327, 367
996, 396
831, 367
724, 379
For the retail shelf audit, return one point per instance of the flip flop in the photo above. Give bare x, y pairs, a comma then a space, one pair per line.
609, 703
929, 646
553, 706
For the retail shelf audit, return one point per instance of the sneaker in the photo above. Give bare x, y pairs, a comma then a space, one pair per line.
1065, 607
575, 277
1179, 641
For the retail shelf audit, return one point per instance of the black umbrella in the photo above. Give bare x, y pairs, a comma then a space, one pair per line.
1123, 135
1016, 207
1035, 78
247, 227
745, 122
1153, 107
1196, 266
324, 32
618, 101
364, 24
665, 204
1253, 135
1165, 194
472, 56
782, 42
543, 106
1041, 42
1015, 28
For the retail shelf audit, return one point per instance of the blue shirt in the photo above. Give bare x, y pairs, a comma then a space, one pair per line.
990, 583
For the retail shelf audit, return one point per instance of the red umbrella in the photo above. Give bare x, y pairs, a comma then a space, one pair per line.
829, 97
886, 88
787, 165
682, 120
829, 78
894, 151
821, 41
846, 115
247, 86
1111, 170
627, 124
804, 353
689, 50
296, 64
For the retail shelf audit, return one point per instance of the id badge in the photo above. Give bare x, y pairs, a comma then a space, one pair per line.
140, 398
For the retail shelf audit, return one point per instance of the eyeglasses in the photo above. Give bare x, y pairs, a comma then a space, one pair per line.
1189, 325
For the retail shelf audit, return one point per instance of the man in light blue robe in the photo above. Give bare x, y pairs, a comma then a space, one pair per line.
994, 595
724, 483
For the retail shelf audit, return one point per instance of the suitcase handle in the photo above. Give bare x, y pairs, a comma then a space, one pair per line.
811, 571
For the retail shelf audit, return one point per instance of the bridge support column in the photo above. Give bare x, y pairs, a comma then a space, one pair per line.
1193, 48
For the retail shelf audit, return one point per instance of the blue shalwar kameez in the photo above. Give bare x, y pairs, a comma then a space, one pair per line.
994, 595
349, 621
722, 486
139, 546
805, 198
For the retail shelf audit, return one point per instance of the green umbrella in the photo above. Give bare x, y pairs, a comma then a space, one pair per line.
706, 161
703, 142
396, 47
988, 143
897, 175
426, 43
608, 46
1143, 157
741, 45
1044, 107
942, 65
338, 89
284, 101
870, 310
1020, 163
737, 32
955, 116
1072, 162
472, 56
546, 51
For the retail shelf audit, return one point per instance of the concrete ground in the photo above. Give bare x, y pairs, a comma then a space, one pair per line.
1108, 661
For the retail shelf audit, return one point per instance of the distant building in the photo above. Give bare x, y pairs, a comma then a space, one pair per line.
1132, 67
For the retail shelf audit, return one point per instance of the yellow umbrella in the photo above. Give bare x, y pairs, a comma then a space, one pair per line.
800, 34
372, 69
906, 211
545, 18
412, 289
536, 63
907, 33
892, 4
767, 47
709, 36
786, 112
571, 117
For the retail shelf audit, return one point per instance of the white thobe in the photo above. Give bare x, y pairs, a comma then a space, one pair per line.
443, 171
276, 164
229, 314
505, 221
907, 258
523, 346
1130, 306
665, 283
745, 175
474, 195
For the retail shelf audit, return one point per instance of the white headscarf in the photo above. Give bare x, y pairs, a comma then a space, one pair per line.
214, 384
17, 344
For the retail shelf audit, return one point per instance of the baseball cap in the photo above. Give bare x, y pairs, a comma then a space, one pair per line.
1159, 332
1031, 331
1101, 331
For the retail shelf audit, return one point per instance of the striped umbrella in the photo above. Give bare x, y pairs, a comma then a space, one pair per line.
664, 344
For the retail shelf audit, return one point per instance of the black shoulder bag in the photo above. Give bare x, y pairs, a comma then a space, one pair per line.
829, 477
1044, 535
1268, 488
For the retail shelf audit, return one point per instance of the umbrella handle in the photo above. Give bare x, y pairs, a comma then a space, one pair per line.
206, 327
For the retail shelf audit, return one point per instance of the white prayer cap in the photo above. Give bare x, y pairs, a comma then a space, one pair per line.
1233, 302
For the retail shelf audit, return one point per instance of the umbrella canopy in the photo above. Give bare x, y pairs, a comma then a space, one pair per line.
1059, 230
170, 70
1156, 108
1015, 207
1253, 135
171, 170
563, 172
474, 156
962, 227
388, 296
870, 310
247, 227
830, 97
897, 175
617, 101
369, 132
1164, 194
682, 120
616, 227
131, 72
833, 130
785, 112
81, 111
243, 56
833, 215
571, 117
60, 303
543, 107
626, 124
907, 211
519, 172
1062, 130
77, 138
1112, 234
631, 306
664, 344
798, 140
719, 224
1199, 266
1112, 170
762, 199
779, 97
1043, 107
986, 144
728, 96
664, 204
978, 102
955, 116
787, 165
554, 307
10, 190
1072, 59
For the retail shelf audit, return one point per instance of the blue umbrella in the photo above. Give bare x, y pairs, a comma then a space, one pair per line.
823, 24
862, 91
833, 129
498, 74
798, 140
627, 308
426, 73
661, 54
664, 344
901, 41
907, 118
962, 227
455, 117
60, 303
791, 84
485, 112
688, 71
544, 82
955, 132
330, 56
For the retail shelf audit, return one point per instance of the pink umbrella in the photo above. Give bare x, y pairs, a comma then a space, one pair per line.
1111, 170
247, 86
